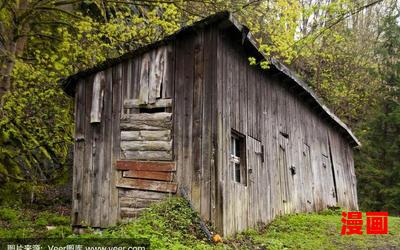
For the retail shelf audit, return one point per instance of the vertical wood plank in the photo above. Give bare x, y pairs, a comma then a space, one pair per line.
88, 158
107, 155
144, 78
115, 141
79, 152
197, 121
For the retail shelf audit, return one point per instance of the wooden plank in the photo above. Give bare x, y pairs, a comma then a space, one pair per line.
159, 186
107, 155
127, 212
206, 128
147, 155
179, 85
146, 145
156, 74
135, 84
146, 135
144, 78
146, 121
146, 166
136, 103
129, 80
212, 69
124, 80
188, 166
116, 112
79, 152
145, 125
88, 162
153, 77
169, 76
219, 133
150, 175
197, 120
161, 117
127, 202
140, 194
97, 97
98, 167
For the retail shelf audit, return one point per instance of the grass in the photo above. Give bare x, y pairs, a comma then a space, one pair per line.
28, 223
315, 231
172, 225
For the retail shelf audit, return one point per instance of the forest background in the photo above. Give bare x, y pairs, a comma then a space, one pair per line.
347, 50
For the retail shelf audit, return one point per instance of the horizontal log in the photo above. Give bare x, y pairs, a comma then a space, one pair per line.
131, 193
127, 212
162, 116
146, 166
137, 103
146, 135
147, 155
146, 145
146, 125
136, 202
150, 175
159, 186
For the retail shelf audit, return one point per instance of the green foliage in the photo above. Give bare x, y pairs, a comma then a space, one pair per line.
171, 224
27, 223
331, 43
14, 193
36, 125
379, 159
314, 231
9, 215
340, 70
168, 225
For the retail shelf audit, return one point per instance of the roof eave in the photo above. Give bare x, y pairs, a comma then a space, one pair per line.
69, 83
285, 70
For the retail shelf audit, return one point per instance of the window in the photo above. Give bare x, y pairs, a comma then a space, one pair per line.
238, 159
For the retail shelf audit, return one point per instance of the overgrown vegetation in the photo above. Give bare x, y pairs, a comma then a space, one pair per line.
28, 223
173, 225
347, 50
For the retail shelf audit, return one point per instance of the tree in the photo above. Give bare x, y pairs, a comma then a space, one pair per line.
379, 160
36, 123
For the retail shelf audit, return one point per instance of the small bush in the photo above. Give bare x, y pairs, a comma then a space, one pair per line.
9, 215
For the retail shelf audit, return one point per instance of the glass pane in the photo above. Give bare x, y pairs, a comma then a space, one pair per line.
237, 172
237, 149
232, 145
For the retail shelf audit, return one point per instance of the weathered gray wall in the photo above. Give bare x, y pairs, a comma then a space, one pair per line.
96, 149
213, 90
261, 105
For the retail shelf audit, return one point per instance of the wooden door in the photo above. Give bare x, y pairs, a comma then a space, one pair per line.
255, 192
285, 201
307, 180
329, 190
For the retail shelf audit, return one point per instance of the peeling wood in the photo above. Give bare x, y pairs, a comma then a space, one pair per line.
146, 166
137, 103
146, 145
146, 135
159, 186
150, 175
97, 98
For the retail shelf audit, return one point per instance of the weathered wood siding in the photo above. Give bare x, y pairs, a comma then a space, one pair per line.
130, 153
261, 105
194, 118
96, 149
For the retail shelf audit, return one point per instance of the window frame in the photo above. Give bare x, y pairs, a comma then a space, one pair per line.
238, 157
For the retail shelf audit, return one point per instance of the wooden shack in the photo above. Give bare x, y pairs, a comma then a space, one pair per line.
190, 113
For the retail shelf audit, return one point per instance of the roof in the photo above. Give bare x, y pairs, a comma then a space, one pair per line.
68, 84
